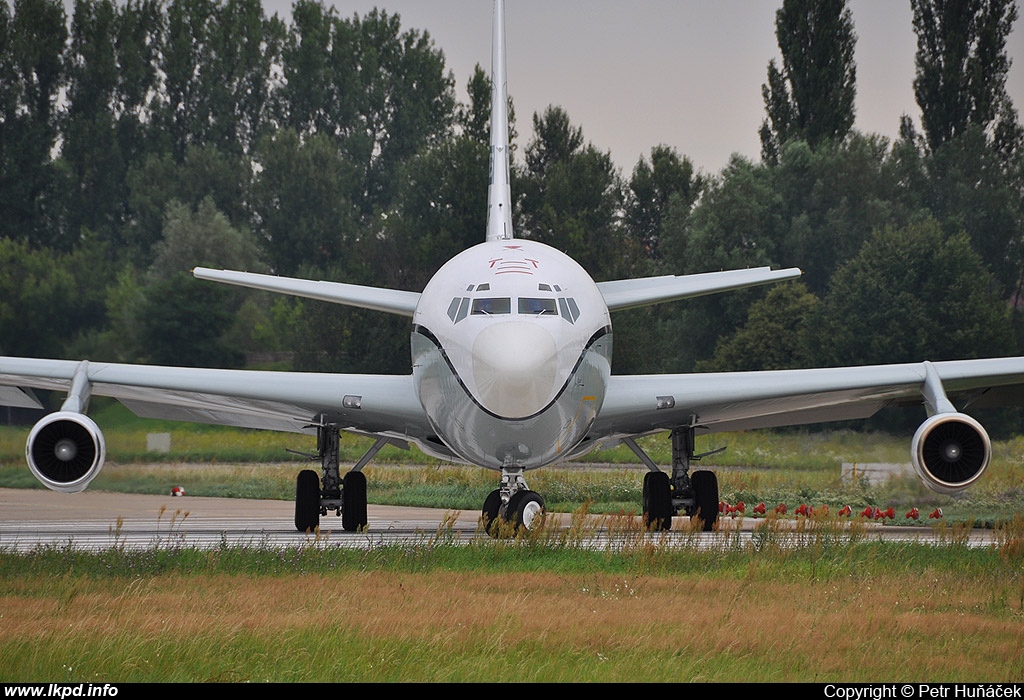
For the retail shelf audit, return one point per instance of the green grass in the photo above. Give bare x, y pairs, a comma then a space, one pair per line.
539, 608
789, 467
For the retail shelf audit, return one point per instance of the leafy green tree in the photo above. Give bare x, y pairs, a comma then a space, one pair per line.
216, 62
203, 238
571, 197
812, 96
10, 99
962, 64
911, 294
320, 70
302, 202
970, 189
205, 172
47, 298
651, 190
182, 320
832, 199
382, 93
555, 140
972, 148
183, 113
245, 47
107, 124
441, 211
409, 100
737, 223
775, 335
91, 149
475, 118
183, 324
33, 74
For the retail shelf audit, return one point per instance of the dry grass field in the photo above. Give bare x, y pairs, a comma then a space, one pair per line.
520, 611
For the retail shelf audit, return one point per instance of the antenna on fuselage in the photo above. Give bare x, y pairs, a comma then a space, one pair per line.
499, 192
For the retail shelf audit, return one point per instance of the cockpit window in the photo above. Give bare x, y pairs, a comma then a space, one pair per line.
453, 308
537, 307
573, 309
570, 311
458, 309
491, 306
461, 307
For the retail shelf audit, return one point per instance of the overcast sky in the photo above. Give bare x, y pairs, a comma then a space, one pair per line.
686, 73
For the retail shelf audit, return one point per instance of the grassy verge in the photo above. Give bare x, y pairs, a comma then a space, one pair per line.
841, 608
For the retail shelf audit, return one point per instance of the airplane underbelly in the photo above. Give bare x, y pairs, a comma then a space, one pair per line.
482, 436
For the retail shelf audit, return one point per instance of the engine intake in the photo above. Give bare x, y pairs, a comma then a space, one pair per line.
65, 451
950, 452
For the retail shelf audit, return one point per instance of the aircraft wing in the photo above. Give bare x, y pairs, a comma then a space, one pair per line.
720, 402
380, 405
392, 301
630, 293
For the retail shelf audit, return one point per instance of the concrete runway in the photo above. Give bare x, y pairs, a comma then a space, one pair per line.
96, 520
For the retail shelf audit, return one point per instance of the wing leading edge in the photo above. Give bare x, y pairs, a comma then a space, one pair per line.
394, 301
719, 402
631, 293
379, 405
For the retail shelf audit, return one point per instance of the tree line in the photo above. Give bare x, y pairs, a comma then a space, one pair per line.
139, 139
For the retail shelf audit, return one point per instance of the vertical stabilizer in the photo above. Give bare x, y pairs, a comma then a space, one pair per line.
499, 192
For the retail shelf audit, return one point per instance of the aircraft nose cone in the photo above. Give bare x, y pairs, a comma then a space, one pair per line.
515, 368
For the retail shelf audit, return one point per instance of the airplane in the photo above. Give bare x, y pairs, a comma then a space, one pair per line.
511, 349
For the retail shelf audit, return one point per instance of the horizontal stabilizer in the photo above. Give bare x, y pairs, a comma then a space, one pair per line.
644, 291
392, 301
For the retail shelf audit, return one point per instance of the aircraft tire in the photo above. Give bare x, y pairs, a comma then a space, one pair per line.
491, 509
353, 502
657, 501
307, 501
705, 493
525, 511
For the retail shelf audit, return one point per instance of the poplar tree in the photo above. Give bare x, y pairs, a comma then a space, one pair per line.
811, 97
962, 65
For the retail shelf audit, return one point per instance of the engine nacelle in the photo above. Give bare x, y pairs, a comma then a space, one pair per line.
65, 451
950, 452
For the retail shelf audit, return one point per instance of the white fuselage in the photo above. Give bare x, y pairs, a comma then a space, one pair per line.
511, 354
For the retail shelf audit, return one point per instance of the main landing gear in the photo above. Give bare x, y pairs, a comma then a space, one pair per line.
513, 506
695, 494
345, 496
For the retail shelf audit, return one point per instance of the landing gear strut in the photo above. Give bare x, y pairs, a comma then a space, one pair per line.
315, 495
695, 494
513, 503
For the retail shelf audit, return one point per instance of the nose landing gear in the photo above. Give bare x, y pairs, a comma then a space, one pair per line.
513, 506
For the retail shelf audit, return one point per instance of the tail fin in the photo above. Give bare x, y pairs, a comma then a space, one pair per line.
499, 192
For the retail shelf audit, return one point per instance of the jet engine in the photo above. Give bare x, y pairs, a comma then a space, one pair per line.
950, 452
65, 451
